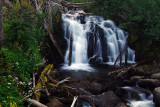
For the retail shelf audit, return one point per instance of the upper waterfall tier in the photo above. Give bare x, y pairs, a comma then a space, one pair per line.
95, 40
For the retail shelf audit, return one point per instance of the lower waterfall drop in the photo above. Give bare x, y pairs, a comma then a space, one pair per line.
95, 40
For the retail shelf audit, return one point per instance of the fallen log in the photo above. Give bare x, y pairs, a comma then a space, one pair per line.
39, 84
34, 103
123, 69
46, 90
51, 79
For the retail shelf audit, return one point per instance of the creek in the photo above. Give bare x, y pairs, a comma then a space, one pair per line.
96, 45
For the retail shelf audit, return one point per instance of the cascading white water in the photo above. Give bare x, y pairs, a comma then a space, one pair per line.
145, 101
95, 40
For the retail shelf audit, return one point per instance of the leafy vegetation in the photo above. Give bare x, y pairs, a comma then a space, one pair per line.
23, 42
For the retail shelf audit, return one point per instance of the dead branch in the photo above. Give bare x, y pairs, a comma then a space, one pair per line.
55, 44
42, 63
34, 84
34, 103
51, 79
64, 80
83, 3
46, 90
74, 101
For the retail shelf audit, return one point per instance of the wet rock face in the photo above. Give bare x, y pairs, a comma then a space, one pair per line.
98, 34
156, 94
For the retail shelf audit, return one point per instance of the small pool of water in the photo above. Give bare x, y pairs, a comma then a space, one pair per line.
81, 71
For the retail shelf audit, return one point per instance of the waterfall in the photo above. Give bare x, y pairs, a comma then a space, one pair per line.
95, 40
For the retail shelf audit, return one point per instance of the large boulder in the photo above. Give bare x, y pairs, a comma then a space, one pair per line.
149, 83
136, 78
55, 103
156, 94
137, 71
155, 76
96, 88
106, 99
121, 105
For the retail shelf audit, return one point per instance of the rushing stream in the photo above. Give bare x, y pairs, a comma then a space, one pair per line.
95, 40
142, 99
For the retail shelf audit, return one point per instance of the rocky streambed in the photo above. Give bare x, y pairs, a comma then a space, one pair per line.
147, 77
106, 91
138, 87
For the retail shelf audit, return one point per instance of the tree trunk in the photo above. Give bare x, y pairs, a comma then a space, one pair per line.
1, 25
126, 57
56, 44
120, 58
70, 50
122, 51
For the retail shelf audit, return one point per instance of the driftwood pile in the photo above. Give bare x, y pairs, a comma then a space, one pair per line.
46, 86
